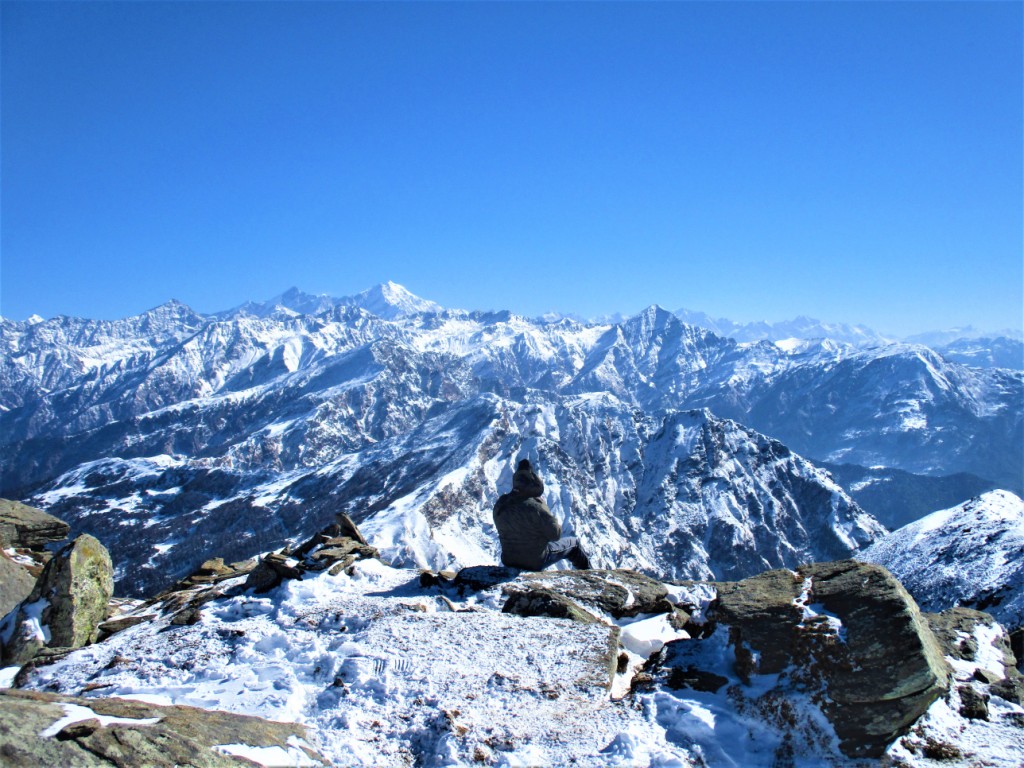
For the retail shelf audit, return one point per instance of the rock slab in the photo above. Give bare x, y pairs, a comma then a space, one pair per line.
179, 735
26, 527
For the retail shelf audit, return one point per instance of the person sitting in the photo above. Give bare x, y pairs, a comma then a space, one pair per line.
530, 536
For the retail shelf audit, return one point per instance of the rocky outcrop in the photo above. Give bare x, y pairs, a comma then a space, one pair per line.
585, 596
336, 547
982, 658
67, 604
889, 668
214, 579
543, 602
619, 593
45, 729
26, 527
845, 632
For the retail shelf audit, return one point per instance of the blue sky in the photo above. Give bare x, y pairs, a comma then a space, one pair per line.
857, 162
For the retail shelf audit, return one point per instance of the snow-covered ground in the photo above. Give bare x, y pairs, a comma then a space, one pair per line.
386, 672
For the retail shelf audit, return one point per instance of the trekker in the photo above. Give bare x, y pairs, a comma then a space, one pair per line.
530, 535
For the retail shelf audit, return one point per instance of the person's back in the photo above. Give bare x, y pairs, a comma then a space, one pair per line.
528, 532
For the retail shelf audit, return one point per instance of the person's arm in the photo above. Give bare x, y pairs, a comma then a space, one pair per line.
548, 524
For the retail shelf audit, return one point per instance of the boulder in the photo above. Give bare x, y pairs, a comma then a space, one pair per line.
15, 584
121, 623
24, 526
349, 529
479, 577
270, 572
888, 669
67, 604
620, 593
125, 734
845, 632
973, 703
762, 614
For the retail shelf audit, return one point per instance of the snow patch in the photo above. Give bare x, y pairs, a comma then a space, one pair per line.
76, 713
270, 757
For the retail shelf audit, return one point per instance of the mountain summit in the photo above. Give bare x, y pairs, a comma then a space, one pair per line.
387, 300
390, 301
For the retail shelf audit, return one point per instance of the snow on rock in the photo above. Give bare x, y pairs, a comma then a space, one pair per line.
970, 555
270, 757
75, 713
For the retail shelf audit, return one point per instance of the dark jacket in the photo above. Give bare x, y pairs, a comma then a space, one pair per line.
524, 522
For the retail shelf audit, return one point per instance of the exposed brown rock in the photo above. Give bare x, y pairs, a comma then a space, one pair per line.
68, 602
24, 526
621, 593
543, 602
181, 736
113, 626
349, 529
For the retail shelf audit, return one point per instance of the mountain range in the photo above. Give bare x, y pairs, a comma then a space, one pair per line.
670, 448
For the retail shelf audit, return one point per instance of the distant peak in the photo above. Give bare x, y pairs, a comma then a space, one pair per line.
655, 313
389, 300
171, 305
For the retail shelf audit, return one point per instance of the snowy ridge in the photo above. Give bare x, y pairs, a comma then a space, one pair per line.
970, 555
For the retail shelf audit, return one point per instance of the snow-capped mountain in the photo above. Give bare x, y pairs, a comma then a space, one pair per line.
970, 555
390, 301
798, 328
386, 300
1003, 349
174, 434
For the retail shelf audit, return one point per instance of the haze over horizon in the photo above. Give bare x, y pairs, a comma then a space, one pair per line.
855, 163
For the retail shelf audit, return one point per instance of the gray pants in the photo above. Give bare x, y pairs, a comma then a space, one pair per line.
569, 549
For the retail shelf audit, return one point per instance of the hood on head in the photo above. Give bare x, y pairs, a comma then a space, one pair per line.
526, 481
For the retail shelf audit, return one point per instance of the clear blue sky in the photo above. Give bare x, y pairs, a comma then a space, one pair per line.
857, 162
